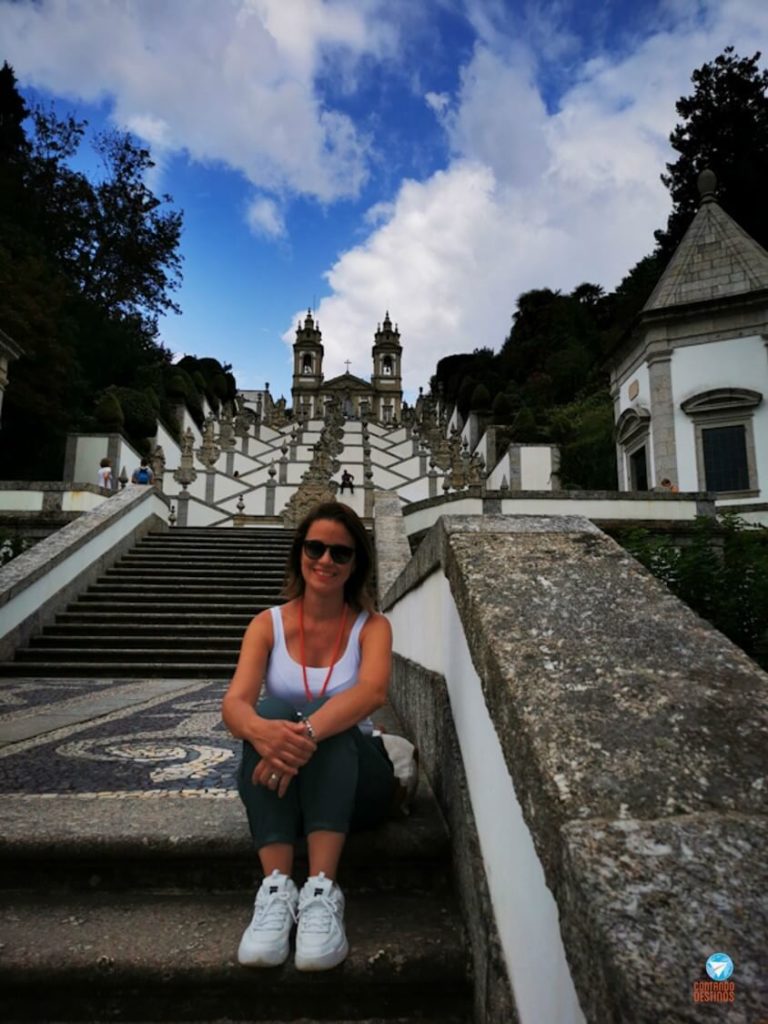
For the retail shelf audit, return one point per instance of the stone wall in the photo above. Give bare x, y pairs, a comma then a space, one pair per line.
634, 737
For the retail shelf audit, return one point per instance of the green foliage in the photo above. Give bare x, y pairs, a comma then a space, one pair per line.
502, 408
140, 415
481, 399
177, 385
721, 572
86, 267
583, 430
724, 127
525, 428
109, 413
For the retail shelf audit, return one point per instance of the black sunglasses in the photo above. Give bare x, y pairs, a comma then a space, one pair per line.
340, 553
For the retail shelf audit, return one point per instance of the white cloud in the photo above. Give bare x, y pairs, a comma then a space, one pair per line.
532, 199
264, 217
228, 81
438, 101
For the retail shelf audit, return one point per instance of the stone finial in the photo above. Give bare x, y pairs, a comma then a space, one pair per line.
123, 478
707, 182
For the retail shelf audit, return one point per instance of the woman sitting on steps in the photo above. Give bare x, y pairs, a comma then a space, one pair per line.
310, 764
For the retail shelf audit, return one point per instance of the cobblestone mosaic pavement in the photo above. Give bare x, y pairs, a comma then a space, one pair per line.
113, 738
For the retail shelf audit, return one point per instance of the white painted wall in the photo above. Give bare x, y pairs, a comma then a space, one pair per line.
80, 501
21, 501
74, 560
734, 363
536, 467
428, 630
89, 452
499, 472
386, 479
170, 447
654, 508
643, 397
417, 490
481, 448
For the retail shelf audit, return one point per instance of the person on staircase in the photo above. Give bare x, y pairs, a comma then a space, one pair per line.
104, 476
143, 474
310, 763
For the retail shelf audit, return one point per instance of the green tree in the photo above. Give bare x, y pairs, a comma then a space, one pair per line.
724, 127
85, 269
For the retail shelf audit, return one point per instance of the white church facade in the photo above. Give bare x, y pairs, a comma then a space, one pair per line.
380, 398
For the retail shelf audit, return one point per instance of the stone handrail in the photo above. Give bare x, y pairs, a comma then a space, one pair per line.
42, 580
602, 753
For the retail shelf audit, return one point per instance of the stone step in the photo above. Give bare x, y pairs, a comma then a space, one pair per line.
109, 640
97, 632
265, 549
219, 536
131, 655
194, 534
236, 565
183, 574
143, 956
152, 590
151, 585
126, 606
113, 668
163, 617
194, 840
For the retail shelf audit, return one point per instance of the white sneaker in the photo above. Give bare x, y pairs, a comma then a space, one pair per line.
265, 942
320, 939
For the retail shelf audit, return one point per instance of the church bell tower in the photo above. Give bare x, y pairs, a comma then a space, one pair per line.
307, 367
387, 380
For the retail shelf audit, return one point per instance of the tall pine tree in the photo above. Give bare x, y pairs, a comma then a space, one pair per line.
724, 127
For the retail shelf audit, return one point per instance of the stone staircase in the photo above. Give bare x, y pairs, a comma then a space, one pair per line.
137, 918
124, 900
175, 606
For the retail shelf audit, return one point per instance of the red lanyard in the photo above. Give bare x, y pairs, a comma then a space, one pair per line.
333, 659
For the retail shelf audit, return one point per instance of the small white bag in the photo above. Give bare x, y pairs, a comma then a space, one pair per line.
405, 759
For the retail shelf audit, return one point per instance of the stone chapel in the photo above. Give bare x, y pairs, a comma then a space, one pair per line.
689, 384
379, 399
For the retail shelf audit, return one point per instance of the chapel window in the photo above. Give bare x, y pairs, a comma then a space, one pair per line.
724, 440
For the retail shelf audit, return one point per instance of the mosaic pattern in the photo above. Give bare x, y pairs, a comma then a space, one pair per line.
26, 695
172, 745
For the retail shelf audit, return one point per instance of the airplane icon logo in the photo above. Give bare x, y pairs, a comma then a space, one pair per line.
719, 966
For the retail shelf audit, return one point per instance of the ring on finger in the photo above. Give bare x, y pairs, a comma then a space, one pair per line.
274, 778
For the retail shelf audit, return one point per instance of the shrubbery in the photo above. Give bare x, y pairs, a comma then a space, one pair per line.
721, 572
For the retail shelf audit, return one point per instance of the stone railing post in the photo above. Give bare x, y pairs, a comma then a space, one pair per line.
269, 507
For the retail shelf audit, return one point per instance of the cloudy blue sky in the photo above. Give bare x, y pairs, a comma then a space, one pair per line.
435, 158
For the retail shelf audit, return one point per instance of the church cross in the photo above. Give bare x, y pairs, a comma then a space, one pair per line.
346, 363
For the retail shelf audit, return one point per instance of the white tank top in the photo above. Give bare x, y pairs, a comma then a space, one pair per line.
284, 677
